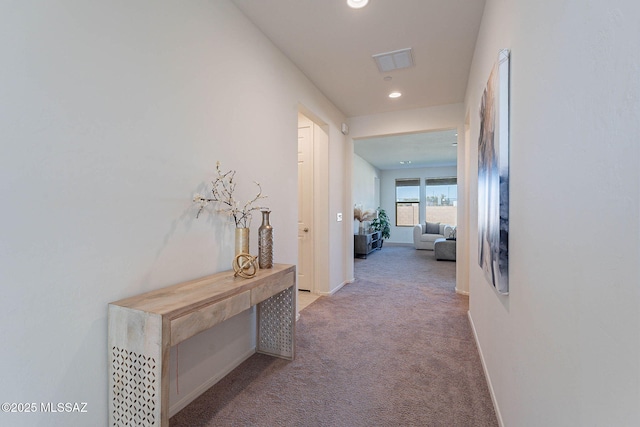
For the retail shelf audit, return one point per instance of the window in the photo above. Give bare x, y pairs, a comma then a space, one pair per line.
407, 202
442, 200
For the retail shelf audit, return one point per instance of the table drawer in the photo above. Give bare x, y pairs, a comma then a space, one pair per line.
272, 287
192, 323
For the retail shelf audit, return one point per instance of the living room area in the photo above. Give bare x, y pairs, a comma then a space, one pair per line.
413, 179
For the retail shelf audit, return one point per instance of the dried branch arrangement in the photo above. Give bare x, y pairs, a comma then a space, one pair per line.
363, 215
222, 193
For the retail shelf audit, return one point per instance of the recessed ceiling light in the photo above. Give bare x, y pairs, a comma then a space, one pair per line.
357, 4
405, 162
395, 95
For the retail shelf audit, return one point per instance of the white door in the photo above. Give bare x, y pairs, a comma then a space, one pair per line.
305, 205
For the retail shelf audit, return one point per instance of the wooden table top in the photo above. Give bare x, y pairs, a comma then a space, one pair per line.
175, 300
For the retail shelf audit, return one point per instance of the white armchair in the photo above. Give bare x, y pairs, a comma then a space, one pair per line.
424, 240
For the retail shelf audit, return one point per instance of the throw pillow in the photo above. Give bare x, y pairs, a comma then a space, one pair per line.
432, 228
452, 231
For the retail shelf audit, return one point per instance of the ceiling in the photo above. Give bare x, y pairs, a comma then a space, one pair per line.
427, 149
333, 46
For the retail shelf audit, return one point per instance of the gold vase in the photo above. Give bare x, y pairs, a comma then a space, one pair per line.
242, 241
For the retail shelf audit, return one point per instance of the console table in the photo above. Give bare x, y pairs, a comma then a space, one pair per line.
143, 328
364, 244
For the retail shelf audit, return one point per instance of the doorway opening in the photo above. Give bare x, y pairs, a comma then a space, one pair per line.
417, 175
306, 230
313, 202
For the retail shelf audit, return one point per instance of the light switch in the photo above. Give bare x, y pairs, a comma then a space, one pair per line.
339, 217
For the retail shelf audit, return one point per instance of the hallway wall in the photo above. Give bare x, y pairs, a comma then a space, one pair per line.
563, 348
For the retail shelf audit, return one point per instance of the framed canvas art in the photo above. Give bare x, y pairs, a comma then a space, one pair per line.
493, 177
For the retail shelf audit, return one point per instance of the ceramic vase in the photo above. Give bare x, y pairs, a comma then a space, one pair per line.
265, 242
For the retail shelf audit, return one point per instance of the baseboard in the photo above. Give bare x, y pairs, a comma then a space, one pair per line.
486, 372
333, 291
182, 403
458, 291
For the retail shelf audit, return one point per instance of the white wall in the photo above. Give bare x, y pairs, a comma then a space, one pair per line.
365, 186
388, 196
564, 347
112, 116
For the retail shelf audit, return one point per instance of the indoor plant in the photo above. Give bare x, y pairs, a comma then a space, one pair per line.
381, 223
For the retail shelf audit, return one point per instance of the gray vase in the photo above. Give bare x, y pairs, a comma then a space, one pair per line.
265, 242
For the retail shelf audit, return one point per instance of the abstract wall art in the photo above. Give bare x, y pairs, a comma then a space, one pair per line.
493, 177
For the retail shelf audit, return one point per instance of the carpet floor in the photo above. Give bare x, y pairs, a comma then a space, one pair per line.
393, 348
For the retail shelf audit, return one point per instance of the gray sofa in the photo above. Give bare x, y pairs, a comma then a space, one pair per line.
424, 240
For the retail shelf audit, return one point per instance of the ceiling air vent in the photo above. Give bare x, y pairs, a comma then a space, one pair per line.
395, 60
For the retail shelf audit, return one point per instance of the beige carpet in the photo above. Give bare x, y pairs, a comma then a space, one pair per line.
394, 348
